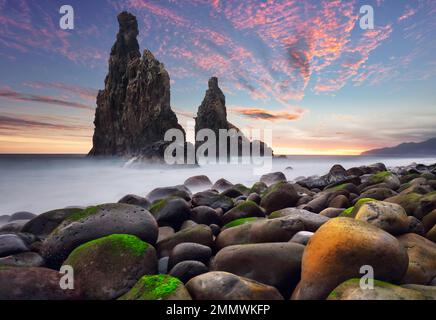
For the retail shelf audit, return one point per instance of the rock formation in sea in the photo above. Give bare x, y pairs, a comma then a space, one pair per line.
133, 111
212, 114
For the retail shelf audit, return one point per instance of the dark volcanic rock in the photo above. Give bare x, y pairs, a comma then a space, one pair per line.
133, 111
189, 251
273, 177
212, 114
171, 212
22, 283
22, 215
10, 244
249, 260
213, 200
205, 215
219, 285
96, 222
23, 259
135, 200
177, 191
186, 270
46, 222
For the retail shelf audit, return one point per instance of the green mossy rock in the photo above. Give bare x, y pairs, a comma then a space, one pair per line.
258, 187
409, 201
351, 290
244, 210
387, 216
94, 223
279, 196
239, 222
44, 224
109, 266
157, 287
352, 211
387, 178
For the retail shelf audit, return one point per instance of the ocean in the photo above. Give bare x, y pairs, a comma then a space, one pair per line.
39, 183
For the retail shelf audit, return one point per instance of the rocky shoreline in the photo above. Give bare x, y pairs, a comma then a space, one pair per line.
274, 240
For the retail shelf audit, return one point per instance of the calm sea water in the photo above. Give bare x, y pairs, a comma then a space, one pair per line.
38, 183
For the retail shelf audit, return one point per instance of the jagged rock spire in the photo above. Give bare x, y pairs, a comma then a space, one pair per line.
133, 111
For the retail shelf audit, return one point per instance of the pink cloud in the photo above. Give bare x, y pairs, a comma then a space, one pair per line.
89, 94
26, 97
407, 14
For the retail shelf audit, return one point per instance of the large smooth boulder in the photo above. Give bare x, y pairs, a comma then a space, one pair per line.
197, 182
338, 250
351, 290
311, 221
222, 184
260, 231
429, 221
188, 269
108, 267
157, 287
205, 215
340, 201
43, 224
409, 201
11, 244
135, 200
248, 260
244, 210
302, 237
170, 212
14, 226
24, 259
161, 193
189, 251
200, 233
22, 215
429, 292
21, 283
273, 177
431, 234
390, 217
422, 259
427, 203
213, 200
279, 196
219, 285
96, 222
385, 177
378, 193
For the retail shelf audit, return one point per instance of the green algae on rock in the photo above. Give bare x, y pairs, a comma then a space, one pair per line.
107, 267
157, 287
240, 221
351, 290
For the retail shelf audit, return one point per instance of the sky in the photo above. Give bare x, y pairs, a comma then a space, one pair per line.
304, 69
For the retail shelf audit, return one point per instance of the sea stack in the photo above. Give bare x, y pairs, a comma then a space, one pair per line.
133, 111
212, 114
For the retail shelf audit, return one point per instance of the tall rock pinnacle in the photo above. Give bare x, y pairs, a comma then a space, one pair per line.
133, 111
212, 114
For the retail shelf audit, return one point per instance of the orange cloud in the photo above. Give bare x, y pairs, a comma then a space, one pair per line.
268, 115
